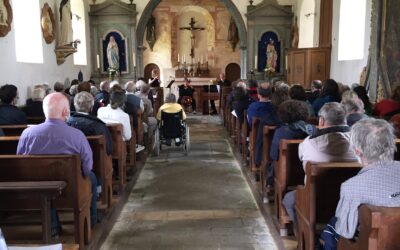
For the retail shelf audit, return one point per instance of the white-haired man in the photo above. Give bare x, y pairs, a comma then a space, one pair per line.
377, 183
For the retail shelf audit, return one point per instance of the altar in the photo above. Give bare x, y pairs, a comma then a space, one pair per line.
200, 93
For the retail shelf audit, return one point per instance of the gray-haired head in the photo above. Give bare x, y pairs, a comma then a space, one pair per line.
105, 86
83, 102
170, 98
73, 90
144, 89
113, 83
333, 114
373, 140
93, 90
38, 94
140, 83
130, 87
353, 106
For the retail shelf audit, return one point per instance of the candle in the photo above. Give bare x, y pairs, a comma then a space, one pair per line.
134, 60
184, 57
206, 58
201, 58
98, 61
178, 57
256, 62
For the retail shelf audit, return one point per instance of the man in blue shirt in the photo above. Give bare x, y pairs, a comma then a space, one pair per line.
54, 136
263, 106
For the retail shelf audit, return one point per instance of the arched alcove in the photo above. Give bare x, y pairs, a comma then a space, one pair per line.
141, 28
232, 72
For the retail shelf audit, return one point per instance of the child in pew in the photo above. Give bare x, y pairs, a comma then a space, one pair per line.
373, 142
293, 114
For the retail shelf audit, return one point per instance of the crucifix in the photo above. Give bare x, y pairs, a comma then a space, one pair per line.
191, 28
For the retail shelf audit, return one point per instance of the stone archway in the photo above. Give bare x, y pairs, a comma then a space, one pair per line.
141, 28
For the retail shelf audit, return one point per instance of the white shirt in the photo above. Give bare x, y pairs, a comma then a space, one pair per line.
109, 115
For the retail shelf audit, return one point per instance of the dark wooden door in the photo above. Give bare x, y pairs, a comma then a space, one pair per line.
232, 72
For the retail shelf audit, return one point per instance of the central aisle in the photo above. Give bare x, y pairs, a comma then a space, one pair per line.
200, 201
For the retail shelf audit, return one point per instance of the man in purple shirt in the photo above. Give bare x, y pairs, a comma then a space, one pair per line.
54, 136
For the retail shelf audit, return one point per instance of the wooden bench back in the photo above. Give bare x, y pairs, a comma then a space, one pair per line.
102, 166
66, 168
268, 135
289, 169
316, 201
379, 229
116, 132
252, 141
8, 145
13, 130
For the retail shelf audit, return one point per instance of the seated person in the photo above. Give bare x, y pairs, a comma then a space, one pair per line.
252, 89
88, 124
297, 92
151, 121
113, 113
170, 106
354, 110
102, 98
377, 183
133, 104
241, 102
263, 106
34, 105
390, 106
186, 95
54, 136
331, 142
316, 86
293, 114
329, 93
9, 113
58, 87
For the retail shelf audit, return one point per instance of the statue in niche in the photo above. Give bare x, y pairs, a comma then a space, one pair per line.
3, 14
65, 37
113, 54
272, 57
295, 34
233, 34
151, 32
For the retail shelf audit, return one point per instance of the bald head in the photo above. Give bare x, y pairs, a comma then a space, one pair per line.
56, 106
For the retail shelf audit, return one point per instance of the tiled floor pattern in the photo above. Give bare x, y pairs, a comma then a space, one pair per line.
199, 201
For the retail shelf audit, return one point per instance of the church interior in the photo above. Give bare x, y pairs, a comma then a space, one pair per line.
195, 117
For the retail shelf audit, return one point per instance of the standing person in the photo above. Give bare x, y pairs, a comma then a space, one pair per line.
154, 81
54, 136
113, 54
186, 95
223, 82
66, 23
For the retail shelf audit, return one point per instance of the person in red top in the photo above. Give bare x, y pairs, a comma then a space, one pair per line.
390, 106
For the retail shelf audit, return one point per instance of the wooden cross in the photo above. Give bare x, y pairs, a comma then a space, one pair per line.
191, 28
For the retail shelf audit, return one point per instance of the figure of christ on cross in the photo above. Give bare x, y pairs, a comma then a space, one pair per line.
191, 28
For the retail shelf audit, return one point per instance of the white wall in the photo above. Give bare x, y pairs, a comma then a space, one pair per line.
348, 72
24, 75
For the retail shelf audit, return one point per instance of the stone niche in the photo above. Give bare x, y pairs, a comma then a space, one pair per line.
173, 45
118, 19
268, 20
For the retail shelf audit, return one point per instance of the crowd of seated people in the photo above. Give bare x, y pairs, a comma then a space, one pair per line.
342, 134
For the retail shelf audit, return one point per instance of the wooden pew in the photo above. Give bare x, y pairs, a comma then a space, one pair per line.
76, 196
316, 201
131, 144
35, 119
102, 167
225, 91
8, 145
232, 126
119, 152
379, 229
102, 163
252, 143
158, 100
288, 173
45, 191
243, 136
268, 135
11, 130
227, 116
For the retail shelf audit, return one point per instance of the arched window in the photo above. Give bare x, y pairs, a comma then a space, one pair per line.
351, 29
79, 30
28, 34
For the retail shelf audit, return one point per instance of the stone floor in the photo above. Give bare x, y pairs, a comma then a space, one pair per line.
199, 201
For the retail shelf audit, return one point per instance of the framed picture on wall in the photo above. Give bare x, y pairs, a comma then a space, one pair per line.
114, 56
5, 17
48, 24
